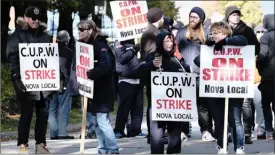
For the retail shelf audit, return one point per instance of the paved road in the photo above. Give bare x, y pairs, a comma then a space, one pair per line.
140, 146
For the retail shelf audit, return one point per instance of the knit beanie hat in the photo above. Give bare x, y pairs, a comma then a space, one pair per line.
199, 11
154, 15
231, 9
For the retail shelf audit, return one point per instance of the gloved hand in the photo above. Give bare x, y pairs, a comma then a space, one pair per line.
209, 43
19, 86
89, 74
219, 45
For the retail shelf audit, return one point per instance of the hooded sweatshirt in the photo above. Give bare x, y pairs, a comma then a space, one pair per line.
243, 30
265, 59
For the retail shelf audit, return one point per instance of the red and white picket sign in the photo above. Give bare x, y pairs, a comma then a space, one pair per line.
130, 18
227, 73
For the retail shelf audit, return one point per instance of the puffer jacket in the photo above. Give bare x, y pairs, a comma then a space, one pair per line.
25, 35
266, 59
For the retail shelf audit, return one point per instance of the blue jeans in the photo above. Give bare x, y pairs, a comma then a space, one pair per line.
259, 110
59, 110
90, 123
104, 133
234, 116
235, 120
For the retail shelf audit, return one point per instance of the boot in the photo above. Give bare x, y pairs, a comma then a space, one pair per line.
248, 140
23, 149
41, 149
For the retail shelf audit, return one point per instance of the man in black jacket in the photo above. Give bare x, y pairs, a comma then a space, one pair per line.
232, 16
155, 19
102, 75
32, 32
60, 105
130, 91
266, 66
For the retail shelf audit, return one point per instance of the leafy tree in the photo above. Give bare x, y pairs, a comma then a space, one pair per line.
168, 7
249, 9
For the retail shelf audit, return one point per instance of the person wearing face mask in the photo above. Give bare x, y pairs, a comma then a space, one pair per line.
155, 19
102, 75
189, 40
169, 61
232, 17
32, 32
222, 35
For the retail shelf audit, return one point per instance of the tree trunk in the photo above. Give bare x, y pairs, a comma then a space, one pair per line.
66, 23
5, 19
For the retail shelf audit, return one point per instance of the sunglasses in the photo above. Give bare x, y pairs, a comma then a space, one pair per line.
260, 31
81, 29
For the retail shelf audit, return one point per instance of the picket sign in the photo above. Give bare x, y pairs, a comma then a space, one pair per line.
83, 128
39, 66
173, 96
229, 74
130, 18
84, 62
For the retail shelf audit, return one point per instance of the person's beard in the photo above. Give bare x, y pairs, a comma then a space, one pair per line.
194, 26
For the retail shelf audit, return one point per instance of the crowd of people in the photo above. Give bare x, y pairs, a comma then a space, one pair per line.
166, 45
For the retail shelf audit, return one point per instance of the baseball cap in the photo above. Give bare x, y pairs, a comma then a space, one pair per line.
33, 12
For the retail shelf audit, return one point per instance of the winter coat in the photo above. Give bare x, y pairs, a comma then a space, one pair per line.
235, 40
169, 63
266, 58
65, 61
243, 30
126, 59
190, 49
25, 35
148, 40
103, 76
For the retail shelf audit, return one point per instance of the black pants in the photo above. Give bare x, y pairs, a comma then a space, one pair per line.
204, 113
267, 91
26, 108
130, 97
157, 133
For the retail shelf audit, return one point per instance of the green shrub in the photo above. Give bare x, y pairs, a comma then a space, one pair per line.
8, 99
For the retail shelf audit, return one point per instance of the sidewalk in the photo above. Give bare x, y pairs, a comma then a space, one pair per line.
135, 145
140, 146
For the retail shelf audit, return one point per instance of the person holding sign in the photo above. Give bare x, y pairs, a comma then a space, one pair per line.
221, 34
189, 40
169, 61
32, 33
103, 95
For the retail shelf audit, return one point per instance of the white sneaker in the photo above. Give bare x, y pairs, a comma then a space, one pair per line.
206, 136
240, 150
184, 137
220, 150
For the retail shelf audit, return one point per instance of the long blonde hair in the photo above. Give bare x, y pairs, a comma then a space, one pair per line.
189, 34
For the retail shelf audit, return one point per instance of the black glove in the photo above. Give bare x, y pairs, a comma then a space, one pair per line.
219, 45
197, 60
19, 86
209, 43
89, 74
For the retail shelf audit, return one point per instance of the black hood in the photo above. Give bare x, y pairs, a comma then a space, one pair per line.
268, 22
160, 37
